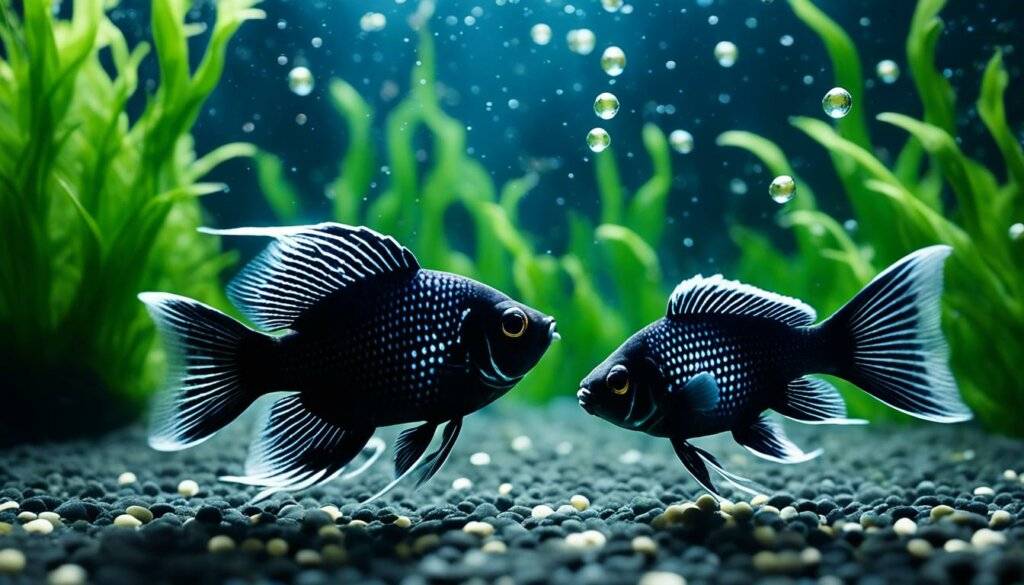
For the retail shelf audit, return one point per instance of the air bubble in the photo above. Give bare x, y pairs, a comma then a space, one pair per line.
1017, 232
581, 41
888, 71
541, 33
613, 61
598, 139
837, 103
611, 5
300, 81
726, 53
373, 21
606, 106
681, 141
782, 189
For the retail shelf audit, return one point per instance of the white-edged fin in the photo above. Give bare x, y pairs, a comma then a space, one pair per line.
425, 465
814, 401
307, 264
697, 461
715, 295
297, 449
767, 439
899, 354
207, 356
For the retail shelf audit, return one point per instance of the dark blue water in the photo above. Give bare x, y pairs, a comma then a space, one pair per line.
483, 65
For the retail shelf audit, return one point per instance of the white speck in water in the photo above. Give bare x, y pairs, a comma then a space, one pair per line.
738, 186
782, 189
888, 71
681, 141
300, 80
670, 65
611, 5
282, 60
521, 443
248, 127
726, 53
613, 61
282, 24
373, 22
598, 139
786, 41
837, 103
513, 104
630, 457
1017, 232
317, 42
541, 33
563, 448
480, 458
581, 41
606, 105
301, 119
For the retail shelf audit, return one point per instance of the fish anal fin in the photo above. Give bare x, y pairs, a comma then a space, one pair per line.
694, 464
436, 459
814, 401
296, 449
767, 439
412, 443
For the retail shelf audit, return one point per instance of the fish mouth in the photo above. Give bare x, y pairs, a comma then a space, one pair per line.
553, 331
583, 395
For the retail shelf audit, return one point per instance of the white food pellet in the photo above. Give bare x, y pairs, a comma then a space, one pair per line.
38, 526
69, 574
580, 502
494, 547
644, 545
481, 529
505, 489
1000, 518
480, 458
521, 443
127, 521
126, 478
542, 511
9, 505
12, 560
462, 483
188, 488
984, 491
905, 527
985, 538
661, 578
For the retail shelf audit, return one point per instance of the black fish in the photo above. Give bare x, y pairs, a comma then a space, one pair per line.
370, 340
726, 352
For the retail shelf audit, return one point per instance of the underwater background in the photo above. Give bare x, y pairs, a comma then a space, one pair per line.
473, 132
462, 128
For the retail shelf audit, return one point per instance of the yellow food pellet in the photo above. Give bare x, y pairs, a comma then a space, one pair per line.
142, 514
12, 560
69, 574
220, 543
580, 502
127, 521
188, 488
403, 522
481, 529
644, 545
494, 547
308, 558
277, 547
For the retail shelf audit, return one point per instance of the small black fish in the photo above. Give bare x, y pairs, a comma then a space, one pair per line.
370, 339
726, 352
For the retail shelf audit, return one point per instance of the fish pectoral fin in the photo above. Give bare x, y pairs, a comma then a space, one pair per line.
296, 449
814, 401
701, 392
412, 443
767, 439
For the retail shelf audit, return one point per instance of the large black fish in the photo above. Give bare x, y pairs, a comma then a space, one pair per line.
370, 340
726, 352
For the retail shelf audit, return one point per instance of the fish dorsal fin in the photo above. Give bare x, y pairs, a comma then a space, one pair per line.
305, 265
715, 295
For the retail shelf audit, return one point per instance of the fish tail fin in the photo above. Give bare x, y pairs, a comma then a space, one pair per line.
888, 339
215, 370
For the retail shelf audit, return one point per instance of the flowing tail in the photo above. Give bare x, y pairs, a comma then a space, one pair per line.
889, 339
216, 369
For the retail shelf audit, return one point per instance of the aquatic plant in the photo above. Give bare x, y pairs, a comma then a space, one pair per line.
932, 192
98, 204
415, 204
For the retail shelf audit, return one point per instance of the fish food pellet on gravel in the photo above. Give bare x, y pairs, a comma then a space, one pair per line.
881, 505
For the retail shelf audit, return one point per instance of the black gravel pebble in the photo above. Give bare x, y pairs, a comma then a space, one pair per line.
867, 480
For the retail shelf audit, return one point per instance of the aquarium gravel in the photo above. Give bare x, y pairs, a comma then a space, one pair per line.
560, 497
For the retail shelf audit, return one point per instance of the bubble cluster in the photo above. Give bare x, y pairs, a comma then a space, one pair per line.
888, 71
681, 141
300, 81
837, 103
598, 139
541, 33
581, 41
726, 53
606, 105
613, 61
782, 189
373, 22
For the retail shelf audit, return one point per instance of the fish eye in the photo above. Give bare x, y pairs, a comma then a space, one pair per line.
514, 322
618, 379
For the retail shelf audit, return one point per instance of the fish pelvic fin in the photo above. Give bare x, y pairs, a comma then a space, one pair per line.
215, 370
888, 340
699, 463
